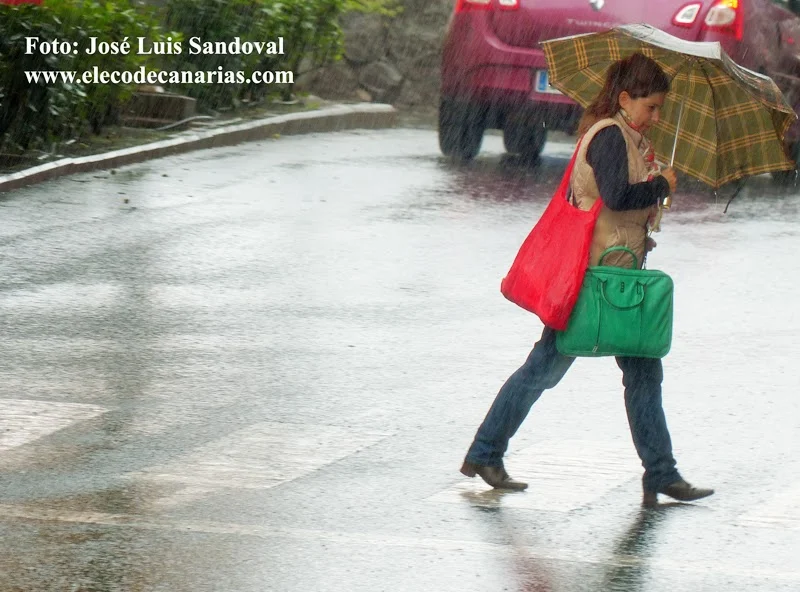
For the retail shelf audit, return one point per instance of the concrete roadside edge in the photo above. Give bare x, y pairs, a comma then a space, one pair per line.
326, 119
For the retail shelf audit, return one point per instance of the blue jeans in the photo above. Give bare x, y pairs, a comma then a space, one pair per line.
543, 369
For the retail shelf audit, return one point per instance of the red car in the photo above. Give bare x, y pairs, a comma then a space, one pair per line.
494, 74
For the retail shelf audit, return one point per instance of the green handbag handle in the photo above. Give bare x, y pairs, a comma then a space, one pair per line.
625, 249
640, 288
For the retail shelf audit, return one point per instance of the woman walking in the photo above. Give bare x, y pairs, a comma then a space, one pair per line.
616, 161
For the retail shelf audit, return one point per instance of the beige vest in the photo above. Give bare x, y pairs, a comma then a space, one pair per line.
629, 228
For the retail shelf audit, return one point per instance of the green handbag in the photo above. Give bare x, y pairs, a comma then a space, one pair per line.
620, 312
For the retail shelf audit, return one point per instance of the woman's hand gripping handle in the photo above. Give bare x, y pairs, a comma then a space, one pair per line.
672, 179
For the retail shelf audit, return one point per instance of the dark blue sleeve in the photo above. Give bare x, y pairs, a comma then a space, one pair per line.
608, 157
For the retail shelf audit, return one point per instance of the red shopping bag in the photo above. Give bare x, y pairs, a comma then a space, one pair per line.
548, 271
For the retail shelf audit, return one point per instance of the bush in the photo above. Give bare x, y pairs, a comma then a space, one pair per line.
213, 20
34, 115
310, 30
108, 21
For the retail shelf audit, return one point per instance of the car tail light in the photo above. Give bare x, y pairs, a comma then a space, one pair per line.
725, 16
462, 5
687, 15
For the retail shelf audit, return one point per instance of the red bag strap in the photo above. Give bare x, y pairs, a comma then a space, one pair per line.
564, 187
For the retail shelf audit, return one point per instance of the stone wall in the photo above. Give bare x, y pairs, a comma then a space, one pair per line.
389, 60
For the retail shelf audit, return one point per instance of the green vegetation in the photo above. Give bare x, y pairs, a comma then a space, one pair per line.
36, 116
33, 115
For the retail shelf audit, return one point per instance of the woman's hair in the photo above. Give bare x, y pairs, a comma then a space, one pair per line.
638, 75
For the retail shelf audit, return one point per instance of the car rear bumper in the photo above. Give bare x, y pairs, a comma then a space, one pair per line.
479, 68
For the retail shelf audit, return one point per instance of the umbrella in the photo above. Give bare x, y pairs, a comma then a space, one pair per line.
720, 122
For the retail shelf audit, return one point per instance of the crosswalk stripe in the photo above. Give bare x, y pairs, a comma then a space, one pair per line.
24, 421
783, 510
262, 456
565, 474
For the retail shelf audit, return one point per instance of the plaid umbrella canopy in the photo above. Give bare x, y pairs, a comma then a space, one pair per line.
720, 122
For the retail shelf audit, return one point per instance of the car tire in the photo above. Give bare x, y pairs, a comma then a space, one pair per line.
527, 141
461, 128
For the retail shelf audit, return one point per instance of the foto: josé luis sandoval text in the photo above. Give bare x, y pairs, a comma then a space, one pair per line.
197, 46
144, 46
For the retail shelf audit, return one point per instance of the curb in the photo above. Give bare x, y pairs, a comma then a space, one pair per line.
326, 119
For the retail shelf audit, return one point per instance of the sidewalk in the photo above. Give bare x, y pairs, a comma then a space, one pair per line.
325, 119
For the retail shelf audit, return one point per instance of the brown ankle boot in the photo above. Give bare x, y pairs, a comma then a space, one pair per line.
494, 476
679, 490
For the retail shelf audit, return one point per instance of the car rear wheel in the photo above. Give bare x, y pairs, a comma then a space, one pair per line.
527, 141
461, 128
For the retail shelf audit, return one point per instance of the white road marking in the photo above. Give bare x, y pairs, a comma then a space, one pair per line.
562, 476
783, 511
262, 456
63, 298
23, 421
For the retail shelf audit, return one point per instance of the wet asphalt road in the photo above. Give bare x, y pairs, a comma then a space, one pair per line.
263, 370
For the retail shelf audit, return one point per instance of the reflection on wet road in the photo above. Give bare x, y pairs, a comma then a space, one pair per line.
263, 370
